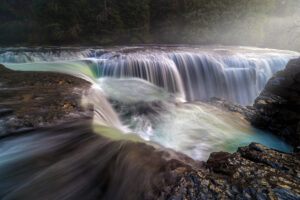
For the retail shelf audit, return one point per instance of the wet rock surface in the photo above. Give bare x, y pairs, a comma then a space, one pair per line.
253, 172
244, 112
38, 99
278, 106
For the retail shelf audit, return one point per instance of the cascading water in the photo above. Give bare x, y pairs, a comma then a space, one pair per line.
234, 73
148, 85
159, 70
198, 75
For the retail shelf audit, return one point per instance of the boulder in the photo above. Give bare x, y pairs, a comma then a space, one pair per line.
278, 105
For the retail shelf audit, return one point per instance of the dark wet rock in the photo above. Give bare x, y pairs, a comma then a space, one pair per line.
297, 149
37, 99
138, 108
4, 69
253, 172
245, 112
149, 111
217, 160
5, 112
278, 106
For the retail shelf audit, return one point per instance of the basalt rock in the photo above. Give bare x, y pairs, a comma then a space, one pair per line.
253, 172
278, 105
245, 112
38, 99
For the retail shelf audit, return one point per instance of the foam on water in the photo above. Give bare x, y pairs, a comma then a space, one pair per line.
196, 129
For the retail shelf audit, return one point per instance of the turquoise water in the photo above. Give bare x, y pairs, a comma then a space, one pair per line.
196, 129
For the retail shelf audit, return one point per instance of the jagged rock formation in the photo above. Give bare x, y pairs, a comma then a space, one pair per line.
254, 172
278, 106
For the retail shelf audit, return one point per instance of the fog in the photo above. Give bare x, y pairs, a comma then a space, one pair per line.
268, 27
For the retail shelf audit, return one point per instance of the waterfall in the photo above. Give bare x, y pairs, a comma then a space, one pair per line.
237, 74
152, 91
238, 78
197, 76
159, 70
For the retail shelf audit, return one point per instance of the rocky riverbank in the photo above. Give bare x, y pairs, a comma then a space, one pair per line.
70, 161
253, 172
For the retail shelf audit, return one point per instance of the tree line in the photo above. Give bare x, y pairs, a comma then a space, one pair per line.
90, 22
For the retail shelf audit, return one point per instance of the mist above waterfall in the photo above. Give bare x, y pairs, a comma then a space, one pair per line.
271, 24
262, 23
